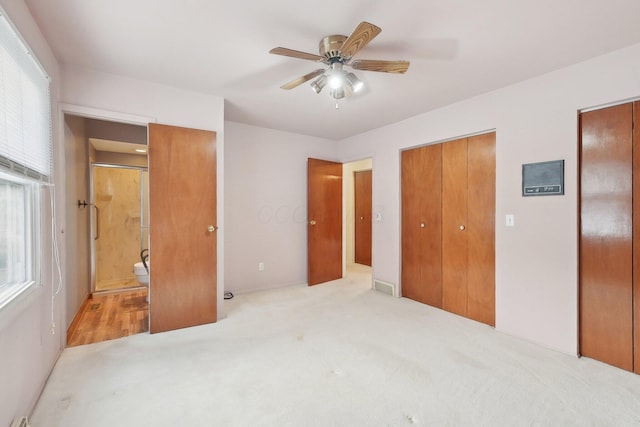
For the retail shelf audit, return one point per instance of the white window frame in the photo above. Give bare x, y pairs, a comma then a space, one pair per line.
25, 155
32, 238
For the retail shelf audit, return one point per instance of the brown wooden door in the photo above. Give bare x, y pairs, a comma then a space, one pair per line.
421, 181
636, 233
182, 199
454, 226
606, 263
480, 228
324, 207
448, 226
362, 209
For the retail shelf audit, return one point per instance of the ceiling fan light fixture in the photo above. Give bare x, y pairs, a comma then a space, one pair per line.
336, 75
355, 83
337, 93
336, 81
319, 83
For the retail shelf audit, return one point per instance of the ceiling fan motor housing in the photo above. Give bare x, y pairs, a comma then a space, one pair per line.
330, 48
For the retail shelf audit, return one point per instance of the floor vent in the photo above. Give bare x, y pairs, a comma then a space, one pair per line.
384, 287
21, 422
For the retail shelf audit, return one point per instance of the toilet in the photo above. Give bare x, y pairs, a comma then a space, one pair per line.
141, 273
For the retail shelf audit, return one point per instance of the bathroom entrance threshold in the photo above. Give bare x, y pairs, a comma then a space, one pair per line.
109, 315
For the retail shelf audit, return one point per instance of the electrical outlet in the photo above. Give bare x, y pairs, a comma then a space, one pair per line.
261, 266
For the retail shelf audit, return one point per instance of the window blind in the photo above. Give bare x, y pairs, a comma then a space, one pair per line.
25, 110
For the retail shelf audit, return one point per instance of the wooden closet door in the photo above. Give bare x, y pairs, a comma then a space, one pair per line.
421, 181
636, 232
412, 163
480, 228
454, 225
606, 275
362, 210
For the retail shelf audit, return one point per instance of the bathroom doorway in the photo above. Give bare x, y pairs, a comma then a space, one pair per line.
114, 142
120, 224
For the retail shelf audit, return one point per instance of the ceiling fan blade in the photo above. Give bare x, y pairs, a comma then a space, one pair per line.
398, 67
363, 34
295, 54
300, 80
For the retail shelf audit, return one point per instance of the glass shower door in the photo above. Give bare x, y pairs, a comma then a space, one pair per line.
118, 225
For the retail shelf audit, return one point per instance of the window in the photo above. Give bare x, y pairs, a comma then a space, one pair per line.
25, 161
17, 245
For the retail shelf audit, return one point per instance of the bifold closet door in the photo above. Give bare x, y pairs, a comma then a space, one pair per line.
481, 214
468, 227
606, 236
454, 227
421, 181
636, 232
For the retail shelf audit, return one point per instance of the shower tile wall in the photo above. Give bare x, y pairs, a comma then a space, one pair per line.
117, 195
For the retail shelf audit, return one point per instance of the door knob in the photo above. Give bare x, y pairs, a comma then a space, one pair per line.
361, 218
312, 222
422, 225
462, 227
211, 228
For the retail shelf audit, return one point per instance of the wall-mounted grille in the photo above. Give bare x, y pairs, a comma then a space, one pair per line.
385, 288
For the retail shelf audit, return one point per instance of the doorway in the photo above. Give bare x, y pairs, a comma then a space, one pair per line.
93, 314
331, 197
358, 215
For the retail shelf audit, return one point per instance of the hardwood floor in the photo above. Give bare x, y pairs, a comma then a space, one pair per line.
109, 316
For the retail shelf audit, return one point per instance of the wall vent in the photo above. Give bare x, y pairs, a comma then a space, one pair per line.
384, 287
21, 422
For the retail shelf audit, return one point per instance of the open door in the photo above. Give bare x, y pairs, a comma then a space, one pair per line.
324, 208
362, 226
182, 254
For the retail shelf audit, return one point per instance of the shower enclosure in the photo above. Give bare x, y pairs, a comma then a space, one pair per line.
120, 224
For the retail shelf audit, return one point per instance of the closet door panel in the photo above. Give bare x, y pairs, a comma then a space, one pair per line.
454, 226
411, 186
421, 224
636, 232
606, 278
480, 229
431, 233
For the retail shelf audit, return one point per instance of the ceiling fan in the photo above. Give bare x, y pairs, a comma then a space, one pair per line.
336, 52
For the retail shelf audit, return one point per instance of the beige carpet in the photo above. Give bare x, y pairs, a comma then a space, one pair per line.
336, 354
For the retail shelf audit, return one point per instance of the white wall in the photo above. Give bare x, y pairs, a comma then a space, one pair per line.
109, 97
536, 275
77, 255
536, 120
348, 195
266, 205
28, 349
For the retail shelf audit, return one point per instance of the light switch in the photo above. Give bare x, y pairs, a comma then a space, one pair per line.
379, 217
510, 220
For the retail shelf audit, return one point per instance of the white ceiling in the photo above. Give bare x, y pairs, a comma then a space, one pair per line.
457, 49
